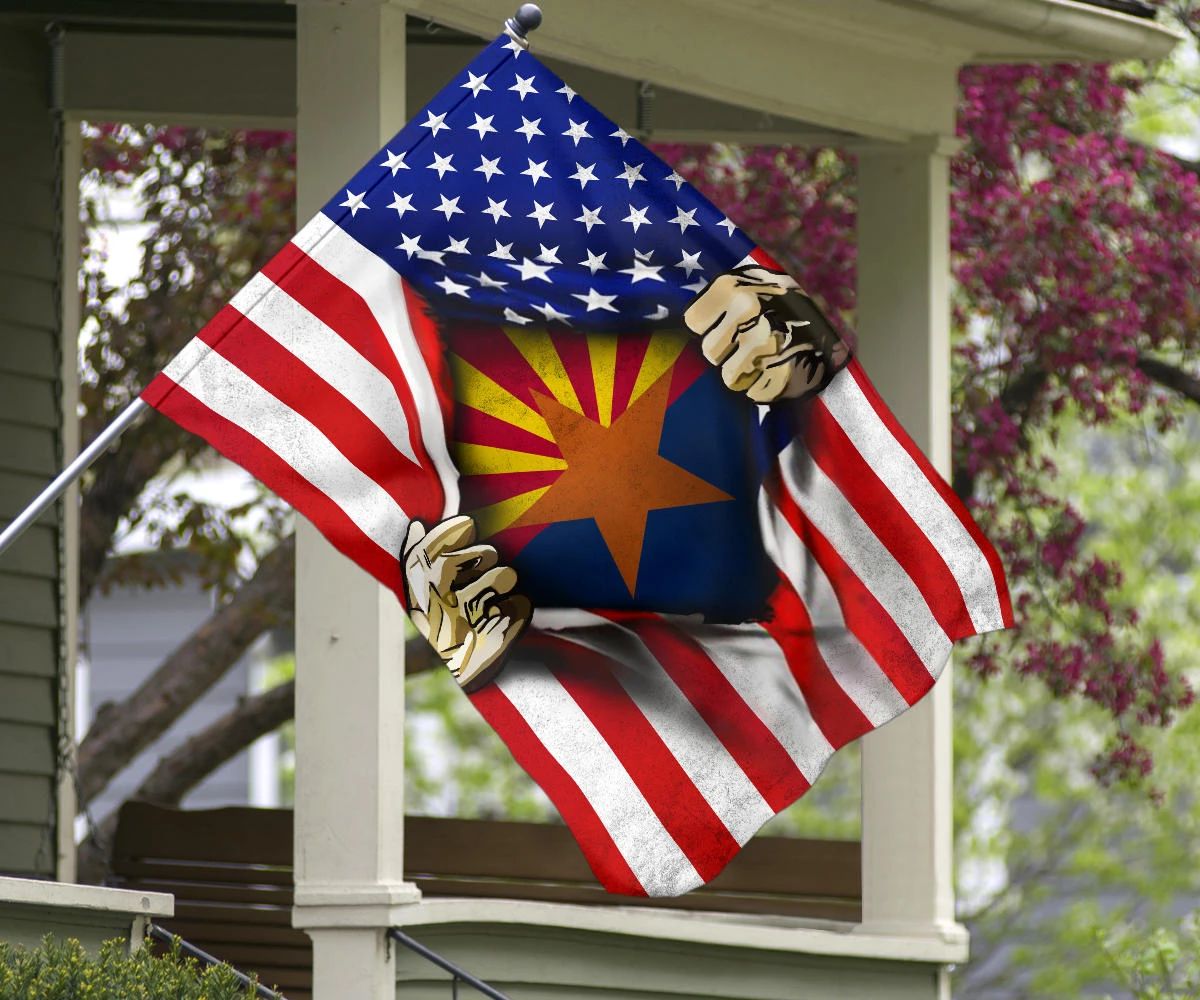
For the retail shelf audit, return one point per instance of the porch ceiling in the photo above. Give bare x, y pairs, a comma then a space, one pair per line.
801, 71
879, 68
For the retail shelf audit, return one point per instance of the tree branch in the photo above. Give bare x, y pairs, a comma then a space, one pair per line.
121, 731
191, 762
115, 486
1023, 390
1016, 399
1170, 377
196, 758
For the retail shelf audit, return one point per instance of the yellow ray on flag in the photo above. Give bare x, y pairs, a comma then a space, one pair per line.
602, 350
479, 391
664, 348
537, 348
499, 516
484, 460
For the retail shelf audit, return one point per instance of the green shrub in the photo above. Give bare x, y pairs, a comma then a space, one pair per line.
62, 970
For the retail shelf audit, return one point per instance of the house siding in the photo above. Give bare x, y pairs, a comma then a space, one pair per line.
30, 451
125, 634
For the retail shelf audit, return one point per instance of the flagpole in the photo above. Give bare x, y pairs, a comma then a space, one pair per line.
125, 419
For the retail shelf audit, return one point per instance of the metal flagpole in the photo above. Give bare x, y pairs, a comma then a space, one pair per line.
126, 419
528, 17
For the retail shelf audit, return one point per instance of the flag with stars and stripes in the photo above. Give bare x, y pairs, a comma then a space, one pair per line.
492, 317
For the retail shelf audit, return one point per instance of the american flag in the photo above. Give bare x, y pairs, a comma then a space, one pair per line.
512, 204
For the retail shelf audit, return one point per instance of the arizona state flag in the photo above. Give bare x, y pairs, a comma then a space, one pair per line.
626, 476
621, 473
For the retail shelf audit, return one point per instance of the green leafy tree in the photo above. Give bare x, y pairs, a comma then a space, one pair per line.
1049, 865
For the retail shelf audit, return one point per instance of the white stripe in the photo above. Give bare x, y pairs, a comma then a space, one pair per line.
373, 279
301, 333
568, 735
755, 665
894, 466
835, 517
229, 392
854, 669
703, 757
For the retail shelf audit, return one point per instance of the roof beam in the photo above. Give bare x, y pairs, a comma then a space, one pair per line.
168, 77
763, 58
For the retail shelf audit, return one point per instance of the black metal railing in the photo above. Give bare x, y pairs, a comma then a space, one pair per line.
204, 958
458, 975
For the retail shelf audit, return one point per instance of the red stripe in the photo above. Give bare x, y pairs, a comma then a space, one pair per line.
474, 426
572, 349
240, 446
510, 541
688, 367
765, 259
489, 349
345, 312
834, 452
864, 616
486, 489
944, 490
682, 810
599, 849
747, 738
631, 352
293, 383
832, 709
429, 342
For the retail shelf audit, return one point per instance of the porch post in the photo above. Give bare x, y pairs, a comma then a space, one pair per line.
69, 256
349, 629
904, 327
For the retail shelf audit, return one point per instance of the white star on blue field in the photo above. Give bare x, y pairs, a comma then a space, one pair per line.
510, 199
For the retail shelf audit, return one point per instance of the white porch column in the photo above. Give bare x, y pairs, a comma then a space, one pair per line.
349, 629
904, 330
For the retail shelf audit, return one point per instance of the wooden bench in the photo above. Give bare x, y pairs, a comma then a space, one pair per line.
230, 871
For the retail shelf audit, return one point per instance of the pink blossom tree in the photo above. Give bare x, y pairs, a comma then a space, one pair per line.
1074, 254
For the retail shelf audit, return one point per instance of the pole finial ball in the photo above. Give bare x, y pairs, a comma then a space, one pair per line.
528, 17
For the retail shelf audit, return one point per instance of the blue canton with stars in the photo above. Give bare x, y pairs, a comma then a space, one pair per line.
511, 199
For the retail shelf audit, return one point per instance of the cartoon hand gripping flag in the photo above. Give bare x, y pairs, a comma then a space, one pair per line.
460, 599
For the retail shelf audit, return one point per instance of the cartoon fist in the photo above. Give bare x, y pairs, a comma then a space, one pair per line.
768, 338
461, 600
